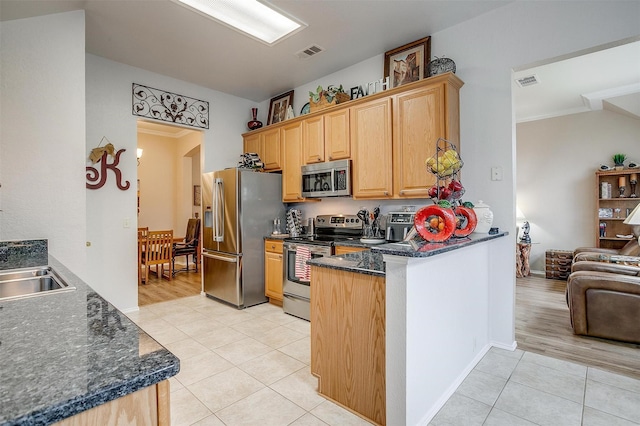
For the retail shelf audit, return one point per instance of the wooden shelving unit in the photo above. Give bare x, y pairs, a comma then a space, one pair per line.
606, 208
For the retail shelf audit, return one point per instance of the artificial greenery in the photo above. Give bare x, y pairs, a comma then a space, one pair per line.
618, 159
329, 94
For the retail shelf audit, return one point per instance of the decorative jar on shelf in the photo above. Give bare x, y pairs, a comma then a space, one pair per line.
254, 123
485, 217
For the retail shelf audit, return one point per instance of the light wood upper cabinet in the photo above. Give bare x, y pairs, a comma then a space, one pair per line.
388, 136
313, 140
253, 143
371, 149
266, 143
337, 140
272, 150
418, 122
291, 137
326, 137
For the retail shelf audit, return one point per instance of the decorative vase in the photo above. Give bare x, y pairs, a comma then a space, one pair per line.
485, 218
254, 123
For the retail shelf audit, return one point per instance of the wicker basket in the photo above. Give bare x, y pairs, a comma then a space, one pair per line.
323, 103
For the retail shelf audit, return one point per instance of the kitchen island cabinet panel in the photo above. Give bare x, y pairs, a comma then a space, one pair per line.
146, 407
372, 149
348, 340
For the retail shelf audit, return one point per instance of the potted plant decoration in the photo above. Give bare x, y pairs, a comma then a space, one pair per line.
618, 161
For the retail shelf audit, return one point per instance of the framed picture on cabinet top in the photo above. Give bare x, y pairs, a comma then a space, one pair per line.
278, 107
407, 63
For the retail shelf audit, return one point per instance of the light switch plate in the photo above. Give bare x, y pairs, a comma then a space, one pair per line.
496, 173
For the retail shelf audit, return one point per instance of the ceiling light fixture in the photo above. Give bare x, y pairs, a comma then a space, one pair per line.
252, 17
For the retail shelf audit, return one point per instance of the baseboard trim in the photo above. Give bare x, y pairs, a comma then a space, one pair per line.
454, 386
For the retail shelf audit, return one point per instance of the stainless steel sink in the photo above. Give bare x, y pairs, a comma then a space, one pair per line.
28, 282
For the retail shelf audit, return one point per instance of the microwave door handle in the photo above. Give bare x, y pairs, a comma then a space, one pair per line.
333, 180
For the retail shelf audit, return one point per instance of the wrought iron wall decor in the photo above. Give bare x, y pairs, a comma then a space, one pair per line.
166, 106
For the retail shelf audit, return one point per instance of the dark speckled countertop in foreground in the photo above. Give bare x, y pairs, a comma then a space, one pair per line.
64, 353
371, 261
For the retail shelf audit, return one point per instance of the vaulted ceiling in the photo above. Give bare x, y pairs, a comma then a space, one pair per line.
164, 37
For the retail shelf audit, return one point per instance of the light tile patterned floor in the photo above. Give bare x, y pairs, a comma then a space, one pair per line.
522, 388
251, 367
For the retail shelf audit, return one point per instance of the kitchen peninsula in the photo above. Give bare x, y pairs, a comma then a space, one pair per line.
395, 330
71, 357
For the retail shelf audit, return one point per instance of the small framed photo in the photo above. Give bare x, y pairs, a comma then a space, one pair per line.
196, 195
407, 63
606, 213
278, 107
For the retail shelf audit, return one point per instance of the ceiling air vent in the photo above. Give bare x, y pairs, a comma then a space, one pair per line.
308, 52
529, 80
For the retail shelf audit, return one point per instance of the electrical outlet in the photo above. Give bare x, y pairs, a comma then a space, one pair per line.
496, 173
126, 223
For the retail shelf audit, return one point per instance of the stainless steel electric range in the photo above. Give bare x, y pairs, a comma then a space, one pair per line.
329, 229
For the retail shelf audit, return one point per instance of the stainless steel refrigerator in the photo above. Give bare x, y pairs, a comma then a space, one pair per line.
239, 206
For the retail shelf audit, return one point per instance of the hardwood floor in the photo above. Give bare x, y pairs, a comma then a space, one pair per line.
543, 326
161, 290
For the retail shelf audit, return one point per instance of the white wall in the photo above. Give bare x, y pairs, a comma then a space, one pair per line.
112, 258
42, 134
557, 159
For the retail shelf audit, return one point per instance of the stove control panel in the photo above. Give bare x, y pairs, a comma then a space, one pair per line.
347, 221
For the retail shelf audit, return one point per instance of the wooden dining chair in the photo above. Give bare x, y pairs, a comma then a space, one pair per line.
142, 245
158, 252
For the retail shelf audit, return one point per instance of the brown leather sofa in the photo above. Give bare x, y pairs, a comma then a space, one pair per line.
604, 297
630, 249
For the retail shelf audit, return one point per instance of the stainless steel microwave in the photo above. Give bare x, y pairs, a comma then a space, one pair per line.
330, 179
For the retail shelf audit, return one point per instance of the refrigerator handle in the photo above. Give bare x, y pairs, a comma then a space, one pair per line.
218, 235
225, 259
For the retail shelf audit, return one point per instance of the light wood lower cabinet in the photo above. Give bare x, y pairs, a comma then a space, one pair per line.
348, 249
273, 270
146, 407
348, 340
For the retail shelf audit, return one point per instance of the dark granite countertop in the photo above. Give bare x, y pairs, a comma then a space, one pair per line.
363, 262
64, 353
356, 243
371, 261
424, 249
